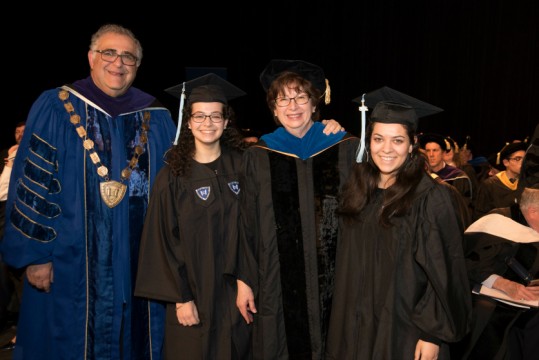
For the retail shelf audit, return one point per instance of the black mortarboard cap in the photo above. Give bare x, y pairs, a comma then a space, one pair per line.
311, 72
207, 88
392, 106
508, 149
424, 139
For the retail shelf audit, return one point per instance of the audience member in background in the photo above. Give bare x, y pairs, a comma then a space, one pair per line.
451, 156
501, 190
435, 146
493, 244
19, 132
463, 162
466, 151
529, 172
10, 278
458, 201
251, 135
401, 288
191, 229
483, 169
76, 205
288, 201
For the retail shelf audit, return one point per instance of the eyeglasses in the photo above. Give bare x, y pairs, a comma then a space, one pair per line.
110, 55
300, 100
516, 158
215, 117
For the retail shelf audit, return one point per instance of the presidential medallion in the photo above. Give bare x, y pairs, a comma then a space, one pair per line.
112, 192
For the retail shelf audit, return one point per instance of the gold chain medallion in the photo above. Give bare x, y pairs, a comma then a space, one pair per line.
112, 192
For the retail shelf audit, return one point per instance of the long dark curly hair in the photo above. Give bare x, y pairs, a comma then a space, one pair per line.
179, 156
359, 188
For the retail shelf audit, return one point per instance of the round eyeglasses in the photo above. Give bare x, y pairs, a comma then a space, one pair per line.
110, 55
215, 117
300, 100
516, 158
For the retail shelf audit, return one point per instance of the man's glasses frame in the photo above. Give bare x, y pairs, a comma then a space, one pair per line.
110, 55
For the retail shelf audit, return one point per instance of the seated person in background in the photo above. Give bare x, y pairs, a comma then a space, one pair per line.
451, 156
463, 160
434, 147
529, 172
500, 330
501, 190
459, 204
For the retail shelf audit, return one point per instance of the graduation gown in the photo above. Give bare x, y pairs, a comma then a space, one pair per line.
495, 192
56, 214
400, 284
188, 244
290, 231
460, 180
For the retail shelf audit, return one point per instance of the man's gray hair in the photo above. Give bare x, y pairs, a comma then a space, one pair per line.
529, 197
117, 29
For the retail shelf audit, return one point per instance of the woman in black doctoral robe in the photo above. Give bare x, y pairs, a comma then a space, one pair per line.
289, 196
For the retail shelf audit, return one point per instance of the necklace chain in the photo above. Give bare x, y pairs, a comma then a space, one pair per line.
102, 170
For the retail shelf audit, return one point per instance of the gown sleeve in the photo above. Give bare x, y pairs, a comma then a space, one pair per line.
247, 260
443, 309
33, 207
162, 273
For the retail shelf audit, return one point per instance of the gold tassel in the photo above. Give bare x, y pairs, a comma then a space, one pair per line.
327, 98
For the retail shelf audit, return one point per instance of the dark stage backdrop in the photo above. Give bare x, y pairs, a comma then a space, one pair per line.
478, 60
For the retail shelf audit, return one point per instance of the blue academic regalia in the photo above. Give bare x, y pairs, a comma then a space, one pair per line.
56, 215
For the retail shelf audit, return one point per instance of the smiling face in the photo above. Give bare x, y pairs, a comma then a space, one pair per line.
113, 78
389, 146
295, 118
207, 132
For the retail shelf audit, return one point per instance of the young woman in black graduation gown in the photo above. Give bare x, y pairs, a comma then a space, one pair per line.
401, 287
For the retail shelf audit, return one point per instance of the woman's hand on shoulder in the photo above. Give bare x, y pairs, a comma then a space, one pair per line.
332, 127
